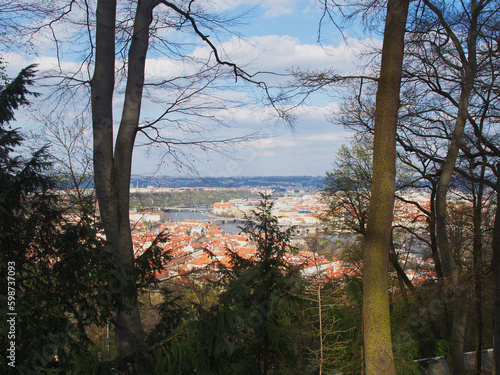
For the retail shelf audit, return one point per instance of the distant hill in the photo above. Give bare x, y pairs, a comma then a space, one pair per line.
270, 182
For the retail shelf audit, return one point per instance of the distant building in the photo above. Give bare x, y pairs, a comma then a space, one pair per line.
144, 217
222, 208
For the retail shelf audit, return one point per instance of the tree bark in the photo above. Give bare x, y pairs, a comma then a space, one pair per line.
478, 267
402, 276
432, 235
495, 265
449, 265
112, 168
379, 358
455, 334
321, 338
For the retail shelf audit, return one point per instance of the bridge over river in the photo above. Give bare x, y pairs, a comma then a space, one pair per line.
226, 220
202, 213
197, 208
228, 224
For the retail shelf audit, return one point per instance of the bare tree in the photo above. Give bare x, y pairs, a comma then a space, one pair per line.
378, 352
448, 80
112, 41
112, 165
347, 192
72, 153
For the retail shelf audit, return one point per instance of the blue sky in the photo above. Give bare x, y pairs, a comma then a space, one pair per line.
277, 35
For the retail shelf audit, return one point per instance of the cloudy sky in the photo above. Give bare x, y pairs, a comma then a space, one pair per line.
275, 36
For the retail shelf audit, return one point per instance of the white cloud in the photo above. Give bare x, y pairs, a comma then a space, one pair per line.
272, 8
280, 53
16, 62
309, 149
279, 7
327, 137
271, 143
164, 68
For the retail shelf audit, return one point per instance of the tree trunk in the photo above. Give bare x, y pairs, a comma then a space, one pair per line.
495, 265
449, 266
432, 234
321, 338
112, 170
402, 276
478, 267
448, 263
376, 316
455, 333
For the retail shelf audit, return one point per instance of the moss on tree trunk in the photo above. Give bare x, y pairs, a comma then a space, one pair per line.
376, 318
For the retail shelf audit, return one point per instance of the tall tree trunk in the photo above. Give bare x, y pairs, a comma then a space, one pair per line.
478, 267
457, 310
112, 170
321, 338
448, 263
495, 265
432, 234
376, 316
450, 268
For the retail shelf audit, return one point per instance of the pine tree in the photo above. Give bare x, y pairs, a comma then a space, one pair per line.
258, 301
55, 269
250, 330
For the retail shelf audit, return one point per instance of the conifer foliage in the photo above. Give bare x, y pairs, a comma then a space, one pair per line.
250, 330
259, 298
55, 267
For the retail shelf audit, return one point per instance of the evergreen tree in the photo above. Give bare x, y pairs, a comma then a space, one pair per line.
259, 298
55, 269
251, 328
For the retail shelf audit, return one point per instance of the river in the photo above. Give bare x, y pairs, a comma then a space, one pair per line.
231, 228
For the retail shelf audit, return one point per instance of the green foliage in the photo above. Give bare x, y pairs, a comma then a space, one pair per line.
405, 344
15, 93
406, 349
171, 312
258, 301
249, 330
57, 268
330, 342
347, 187
187, 198
263, 306
150, 261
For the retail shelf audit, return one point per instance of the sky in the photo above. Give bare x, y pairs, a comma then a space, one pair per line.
275, 36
